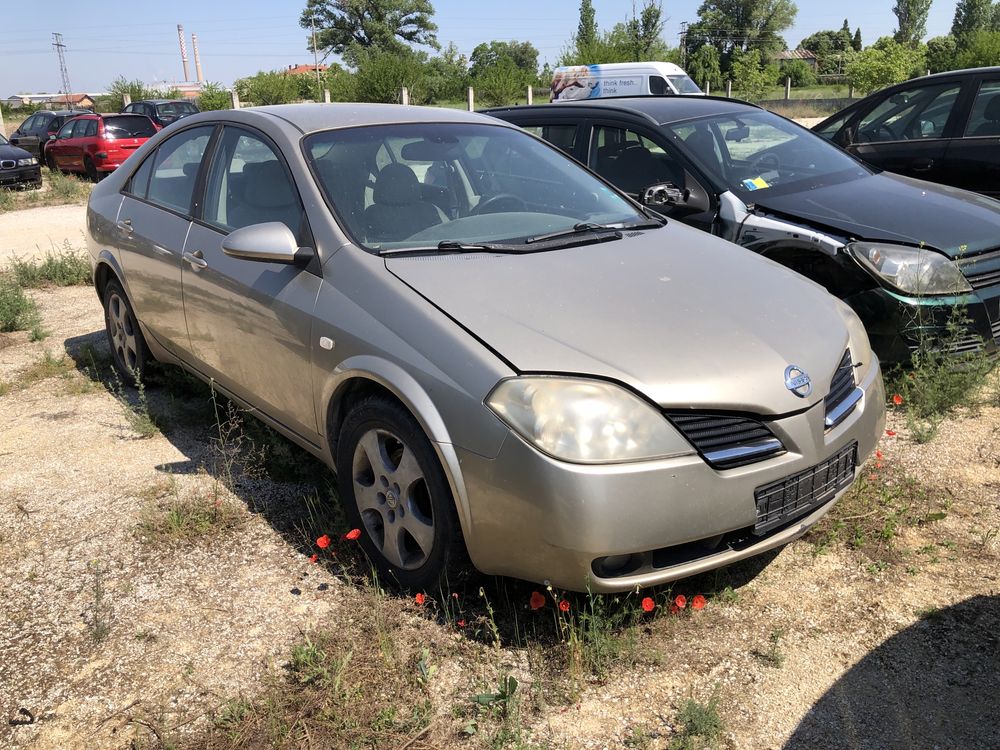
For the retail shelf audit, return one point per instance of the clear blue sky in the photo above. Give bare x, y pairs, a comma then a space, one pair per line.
139, 39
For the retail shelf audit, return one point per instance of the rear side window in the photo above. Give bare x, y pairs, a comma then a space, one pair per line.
89, 129
631, 161
175, 169
139, 183
985, 118
562, 137
129, 126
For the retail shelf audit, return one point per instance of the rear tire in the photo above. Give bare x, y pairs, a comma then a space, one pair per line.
394, 490
128, 347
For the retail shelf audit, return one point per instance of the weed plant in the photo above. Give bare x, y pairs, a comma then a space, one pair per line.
64, 267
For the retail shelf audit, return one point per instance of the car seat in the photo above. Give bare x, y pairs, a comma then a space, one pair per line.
398, 211
992, 116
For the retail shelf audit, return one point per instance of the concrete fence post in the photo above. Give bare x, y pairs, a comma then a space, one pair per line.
708, 88
326, 96
235, 98
850, 92
531, 94
472, 100
126, 99
729, 89
404, 95
3, 128
788, 88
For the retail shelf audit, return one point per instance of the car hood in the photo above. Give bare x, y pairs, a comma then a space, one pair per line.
893, 208
13, 152
680, 316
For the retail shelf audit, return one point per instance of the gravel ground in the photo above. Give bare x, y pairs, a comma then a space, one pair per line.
193, 625
33, 232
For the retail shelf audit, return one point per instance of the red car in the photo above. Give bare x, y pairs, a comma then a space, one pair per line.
97, 144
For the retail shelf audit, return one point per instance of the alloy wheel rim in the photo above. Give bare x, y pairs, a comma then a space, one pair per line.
123, 336
393, 498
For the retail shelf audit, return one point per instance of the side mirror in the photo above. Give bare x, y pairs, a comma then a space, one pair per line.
272, 242
663, 194
52, 136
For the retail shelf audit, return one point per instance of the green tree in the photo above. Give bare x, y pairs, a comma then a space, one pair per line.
884, 63
381, 74
586, 31
981, 49
799, 71
741, 25
704, 67
268, 87
488, 55
941, 53
119, 87
856, 42
911, 17
502, 83
447, 76
830, 47
750, 79
639, 38
970, 16
213, 96
343, 27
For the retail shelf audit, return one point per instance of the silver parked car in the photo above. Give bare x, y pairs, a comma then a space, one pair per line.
498, 353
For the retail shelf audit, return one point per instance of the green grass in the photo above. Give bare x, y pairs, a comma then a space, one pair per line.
699, 726
18, 312
65, 267
175, 520
57, 189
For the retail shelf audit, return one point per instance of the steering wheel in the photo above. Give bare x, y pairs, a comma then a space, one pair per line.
499, 203
874, 136
766, 163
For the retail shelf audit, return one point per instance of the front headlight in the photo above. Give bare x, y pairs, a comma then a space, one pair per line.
30, 162
585, 421
910, 269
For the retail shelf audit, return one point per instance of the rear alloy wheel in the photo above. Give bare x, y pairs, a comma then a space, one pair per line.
92, 174
128, 347
394, 490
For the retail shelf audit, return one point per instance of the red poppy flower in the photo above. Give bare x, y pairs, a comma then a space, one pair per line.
890, 433
878, 455
564, 605
872, 477
897, 400
313, 557
674, 609
648, 605
353, 534
878, 464
454, 595
420, 598
537, 600
323, 542
698, 602
461, 623
681, 601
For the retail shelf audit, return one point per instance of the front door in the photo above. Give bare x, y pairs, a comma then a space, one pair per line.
250, 322
973, 161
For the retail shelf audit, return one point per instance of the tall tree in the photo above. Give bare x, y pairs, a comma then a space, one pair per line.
911, 15
586, 31
970, 16
522, 55
642, 34
856, 42
345, 26
740, 25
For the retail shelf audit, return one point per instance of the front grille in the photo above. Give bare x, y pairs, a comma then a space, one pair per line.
996, 330
979, 277
793, 496
8, 164
970, 343
843, 395
727, 441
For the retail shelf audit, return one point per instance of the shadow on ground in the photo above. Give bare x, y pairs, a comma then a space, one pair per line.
935, 685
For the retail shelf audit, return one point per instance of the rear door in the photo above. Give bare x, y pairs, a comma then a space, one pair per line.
153, 223
908, 131
973, 161
250, 322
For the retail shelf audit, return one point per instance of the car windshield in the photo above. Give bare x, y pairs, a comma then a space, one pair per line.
419, 184
3, 140
175, 109
756, 154
129, 126
684, 85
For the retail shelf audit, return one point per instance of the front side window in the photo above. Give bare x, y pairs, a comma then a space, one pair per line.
757, 153
248, 184
30, 124
66, 131
907, 115
631, 161
985, 118
505, 186
175, 169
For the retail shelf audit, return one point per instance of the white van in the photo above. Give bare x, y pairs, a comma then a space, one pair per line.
575, 82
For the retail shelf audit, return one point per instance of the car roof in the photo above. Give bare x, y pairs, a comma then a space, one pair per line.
162, 101
309, 118
659, 109
955, 74
63, 112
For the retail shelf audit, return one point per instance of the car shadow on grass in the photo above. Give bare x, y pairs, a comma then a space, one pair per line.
936, 684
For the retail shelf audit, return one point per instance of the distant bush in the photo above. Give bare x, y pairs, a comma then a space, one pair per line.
268, 87
800, 73
213, 97
382, 74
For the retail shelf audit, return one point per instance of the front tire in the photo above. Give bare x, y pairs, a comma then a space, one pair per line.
128, 347
92, 174
394, 490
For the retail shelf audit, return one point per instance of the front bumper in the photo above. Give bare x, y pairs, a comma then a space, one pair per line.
21, 176
543, 520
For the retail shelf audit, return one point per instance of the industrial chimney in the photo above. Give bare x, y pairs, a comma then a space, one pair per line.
184, 52
197, 58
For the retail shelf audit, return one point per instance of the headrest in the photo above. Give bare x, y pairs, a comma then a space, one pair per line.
992, 111
267, 185
396, 186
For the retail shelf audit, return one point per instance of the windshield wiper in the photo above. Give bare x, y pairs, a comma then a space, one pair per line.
581, 228
454, 246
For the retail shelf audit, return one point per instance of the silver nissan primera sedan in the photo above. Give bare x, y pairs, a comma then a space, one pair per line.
499, 354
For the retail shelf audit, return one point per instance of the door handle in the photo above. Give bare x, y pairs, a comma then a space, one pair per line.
196, 259
125, 225
922, 165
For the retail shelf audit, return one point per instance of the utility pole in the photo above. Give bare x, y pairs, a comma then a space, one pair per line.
319, 86
683, 44
57, 43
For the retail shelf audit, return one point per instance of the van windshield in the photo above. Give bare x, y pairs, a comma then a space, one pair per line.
684, 85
